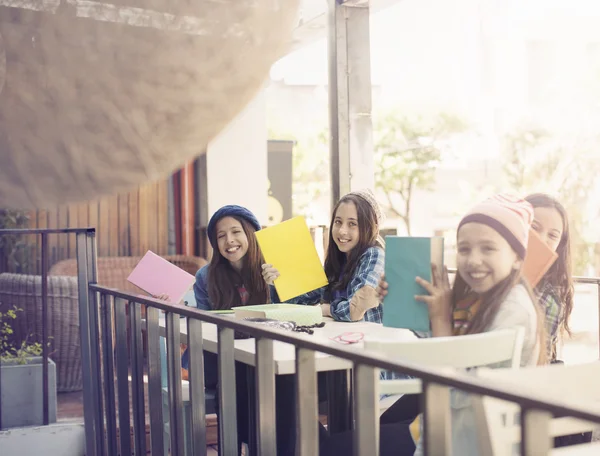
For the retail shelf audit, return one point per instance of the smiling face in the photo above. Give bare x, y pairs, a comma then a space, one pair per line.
232, 241
484, 258
548, 223
345, 230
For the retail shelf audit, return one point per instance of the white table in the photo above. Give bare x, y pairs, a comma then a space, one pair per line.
338, 382
285, 354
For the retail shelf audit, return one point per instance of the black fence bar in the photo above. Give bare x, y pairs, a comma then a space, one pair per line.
137, 380
122, 375
95, 348
174, 383
108, 345
366, 404
24, 231
196, 379
228, 441
45, 327
265, 376
307, 437
90, 413
154, 381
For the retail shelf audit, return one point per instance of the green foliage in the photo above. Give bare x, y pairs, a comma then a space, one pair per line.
538, 160
408, 151
9, 351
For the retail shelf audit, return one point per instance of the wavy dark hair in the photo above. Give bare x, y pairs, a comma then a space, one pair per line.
560, 274
224, 279
336, 262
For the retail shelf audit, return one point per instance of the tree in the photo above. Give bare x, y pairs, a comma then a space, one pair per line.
408, 151
538, 160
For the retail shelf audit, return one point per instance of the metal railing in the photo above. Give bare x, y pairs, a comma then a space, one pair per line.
86, 242
111, 304
109, 354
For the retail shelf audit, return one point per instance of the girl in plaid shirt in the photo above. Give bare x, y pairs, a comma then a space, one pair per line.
555, 290
353, 265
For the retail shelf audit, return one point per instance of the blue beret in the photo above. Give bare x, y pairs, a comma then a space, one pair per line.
230, 211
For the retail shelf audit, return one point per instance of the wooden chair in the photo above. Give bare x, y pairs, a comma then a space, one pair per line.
500, 430
475, 350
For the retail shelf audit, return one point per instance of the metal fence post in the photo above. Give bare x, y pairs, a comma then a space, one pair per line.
366, 403
436, 419
265, 374
307, 440
535, 432
45, 327
90, 408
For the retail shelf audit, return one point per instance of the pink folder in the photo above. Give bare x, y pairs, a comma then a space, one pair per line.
157, 276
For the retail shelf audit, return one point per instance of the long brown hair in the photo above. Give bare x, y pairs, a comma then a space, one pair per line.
224, 279
492, 300
336, 262
560, 273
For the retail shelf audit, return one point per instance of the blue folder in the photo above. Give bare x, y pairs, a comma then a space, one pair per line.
405, 259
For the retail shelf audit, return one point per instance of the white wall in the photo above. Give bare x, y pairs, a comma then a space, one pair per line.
237, 162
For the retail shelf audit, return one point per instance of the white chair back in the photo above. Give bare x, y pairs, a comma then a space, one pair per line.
474, 350
499, 420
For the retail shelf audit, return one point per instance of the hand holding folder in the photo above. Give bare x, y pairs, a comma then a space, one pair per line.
407, 258
158, 277
289, 247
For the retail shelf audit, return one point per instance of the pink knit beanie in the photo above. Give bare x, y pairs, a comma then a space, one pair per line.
509, 215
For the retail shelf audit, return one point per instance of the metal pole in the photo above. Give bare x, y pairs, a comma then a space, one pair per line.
196, 378
535, 432
265, 373
436, 426
154, 381
228, 441
307, 439
45, 327
89, 393
350, 104
366, 404
174, 383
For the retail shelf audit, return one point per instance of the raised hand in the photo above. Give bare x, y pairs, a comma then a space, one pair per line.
439, 300
269, 273
382, 288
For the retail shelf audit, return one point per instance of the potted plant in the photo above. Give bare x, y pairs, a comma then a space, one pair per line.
22, 377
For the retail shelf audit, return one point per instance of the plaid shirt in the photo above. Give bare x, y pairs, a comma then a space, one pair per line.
550, 303
368, 272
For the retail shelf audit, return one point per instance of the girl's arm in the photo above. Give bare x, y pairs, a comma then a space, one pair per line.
362, 294
201, 289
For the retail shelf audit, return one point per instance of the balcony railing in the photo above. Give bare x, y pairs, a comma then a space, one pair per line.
85, 243
110, 353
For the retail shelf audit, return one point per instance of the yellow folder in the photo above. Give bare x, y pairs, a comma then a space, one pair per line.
289, 247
